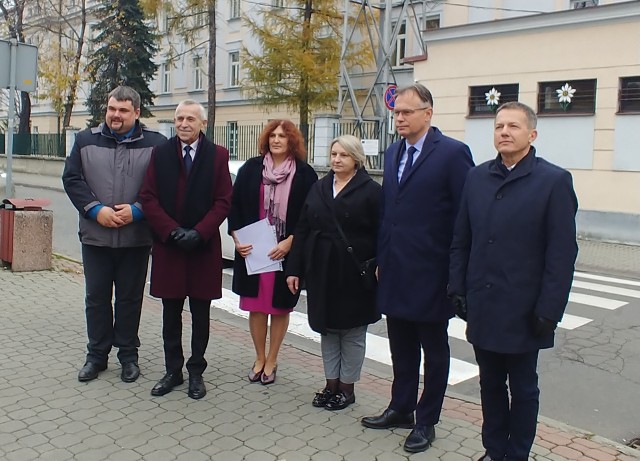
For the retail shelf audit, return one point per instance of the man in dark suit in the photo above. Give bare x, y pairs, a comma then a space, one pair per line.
186, 195
512, 263
423, 178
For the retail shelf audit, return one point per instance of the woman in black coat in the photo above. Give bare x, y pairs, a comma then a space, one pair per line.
340, 304
274, 186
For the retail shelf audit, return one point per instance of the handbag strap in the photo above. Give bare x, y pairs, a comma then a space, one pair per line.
341, 232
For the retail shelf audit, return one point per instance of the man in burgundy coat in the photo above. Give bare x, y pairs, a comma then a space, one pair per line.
185, 196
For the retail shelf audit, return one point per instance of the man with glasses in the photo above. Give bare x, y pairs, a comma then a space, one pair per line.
424, 174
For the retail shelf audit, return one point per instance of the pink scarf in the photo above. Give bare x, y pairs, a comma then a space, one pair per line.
277, 186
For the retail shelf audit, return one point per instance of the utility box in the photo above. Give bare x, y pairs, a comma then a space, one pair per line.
26, 234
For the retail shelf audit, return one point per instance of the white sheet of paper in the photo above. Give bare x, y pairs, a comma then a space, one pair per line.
262, 236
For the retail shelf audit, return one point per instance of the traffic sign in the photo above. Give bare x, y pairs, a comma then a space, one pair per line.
390, 96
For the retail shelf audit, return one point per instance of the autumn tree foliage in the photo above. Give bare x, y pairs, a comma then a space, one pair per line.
297, 63
125, 47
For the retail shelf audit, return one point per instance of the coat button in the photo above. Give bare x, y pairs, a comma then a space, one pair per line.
490, 240
488, 285
346, 215
499, 196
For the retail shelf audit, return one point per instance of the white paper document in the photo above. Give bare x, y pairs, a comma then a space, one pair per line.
262, 236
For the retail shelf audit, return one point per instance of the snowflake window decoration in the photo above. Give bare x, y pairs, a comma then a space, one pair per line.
565, 94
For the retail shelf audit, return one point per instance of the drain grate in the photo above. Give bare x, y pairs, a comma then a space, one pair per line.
635, 443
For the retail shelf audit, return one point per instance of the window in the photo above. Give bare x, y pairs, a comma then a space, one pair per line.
582, 4
232, 139
401, 46
234, 9
165, 78
432, 22
629, 95
478, 99
234, 68
277, 3
199, 18
197, 73
582, 98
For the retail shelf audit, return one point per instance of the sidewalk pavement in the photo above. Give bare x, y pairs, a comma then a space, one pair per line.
45, 413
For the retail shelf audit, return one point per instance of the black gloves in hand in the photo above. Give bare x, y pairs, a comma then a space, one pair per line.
460, 304
186, 239
542, 326
177, 234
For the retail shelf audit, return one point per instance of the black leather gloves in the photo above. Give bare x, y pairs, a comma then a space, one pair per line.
460, 305
186, 239
176, 234
542, 326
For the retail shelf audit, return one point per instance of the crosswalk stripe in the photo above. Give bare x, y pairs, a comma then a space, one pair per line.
605, 278
596, 301
377, 346
571, 322
607, 289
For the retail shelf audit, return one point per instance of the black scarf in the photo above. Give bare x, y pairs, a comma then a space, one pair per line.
198, 198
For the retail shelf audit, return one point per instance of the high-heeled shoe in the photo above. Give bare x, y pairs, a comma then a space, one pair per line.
255, 376
269, 379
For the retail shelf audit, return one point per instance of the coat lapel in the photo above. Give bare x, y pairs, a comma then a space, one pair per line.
430, 144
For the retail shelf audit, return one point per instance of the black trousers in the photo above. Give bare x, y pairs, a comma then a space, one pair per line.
407, 340
172, 334
508, 429
114, 324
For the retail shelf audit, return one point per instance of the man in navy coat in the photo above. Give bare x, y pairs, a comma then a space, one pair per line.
512, 263
424, 174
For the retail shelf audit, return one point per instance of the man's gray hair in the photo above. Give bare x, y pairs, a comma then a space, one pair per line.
423, 93
532, 118
191, 102
126, 93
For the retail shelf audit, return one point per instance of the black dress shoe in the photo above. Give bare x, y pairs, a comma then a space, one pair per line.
340, 401
130, 372
167, 383
90, 371
196, 387
389, 418
486, 457
420, 439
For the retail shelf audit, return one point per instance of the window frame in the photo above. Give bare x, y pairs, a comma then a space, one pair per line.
234, 9
234, 69
509, 92
197, 72
629, 98
165, 78
397, 58
582, 103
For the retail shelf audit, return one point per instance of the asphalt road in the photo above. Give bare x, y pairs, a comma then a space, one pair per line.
590, 380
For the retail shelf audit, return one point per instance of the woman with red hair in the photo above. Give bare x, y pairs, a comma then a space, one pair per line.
273, 185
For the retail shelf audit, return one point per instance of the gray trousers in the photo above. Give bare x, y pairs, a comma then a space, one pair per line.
343, 353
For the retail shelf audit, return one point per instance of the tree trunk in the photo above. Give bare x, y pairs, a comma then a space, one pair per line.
211, 92
304, 80
73, 88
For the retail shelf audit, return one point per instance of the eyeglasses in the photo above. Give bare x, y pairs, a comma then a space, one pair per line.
409, 112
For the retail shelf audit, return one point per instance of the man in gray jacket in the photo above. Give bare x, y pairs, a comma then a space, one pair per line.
102, 177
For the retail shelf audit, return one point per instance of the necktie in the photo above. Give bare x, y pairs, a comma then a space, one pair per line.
188, 161
409, 164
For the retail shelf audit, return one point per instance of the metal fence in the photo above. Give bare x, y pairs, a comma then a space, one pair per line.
368, 130
46, 145
242, 140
